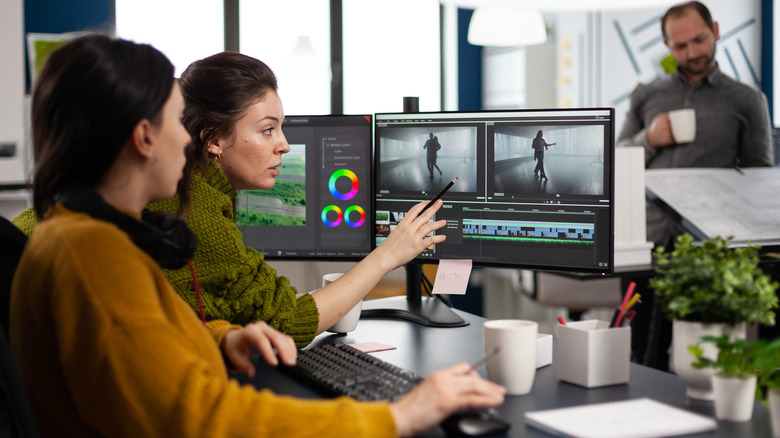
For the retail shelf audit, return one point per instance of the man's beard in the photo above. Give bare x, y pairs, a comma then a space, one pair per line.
707, 62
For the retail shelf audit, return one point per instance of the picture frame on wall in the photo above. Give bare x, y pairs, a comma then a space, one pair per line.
41, 45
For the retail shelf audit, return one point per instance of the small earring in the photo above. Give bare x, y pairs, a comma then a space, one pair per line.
217, 157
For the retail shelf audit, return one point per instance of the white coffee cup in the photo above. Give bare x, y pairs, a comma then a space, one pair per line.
349, 321
683, 124
514, 366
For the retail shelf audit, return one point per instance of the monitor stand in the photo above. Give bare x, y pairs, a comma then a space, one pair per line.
429, 311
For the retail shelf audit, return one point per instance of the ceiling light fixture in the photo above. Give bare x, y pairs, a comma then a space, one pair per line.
506, 26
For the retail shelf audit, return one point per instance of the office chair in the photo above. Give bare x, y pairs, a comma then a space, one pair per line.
12, 242
14, 404
17, 416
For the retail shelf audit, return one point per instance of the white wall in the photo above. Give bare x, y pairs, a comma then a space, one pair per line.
603, 56
12, 169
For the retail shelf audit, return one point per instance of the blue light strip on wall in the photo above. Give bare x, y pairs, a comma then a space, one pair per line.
747, 61
731, 62
627, 47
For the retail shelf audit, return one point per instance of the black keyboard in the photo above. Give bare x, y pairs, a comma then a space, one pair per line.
338, 369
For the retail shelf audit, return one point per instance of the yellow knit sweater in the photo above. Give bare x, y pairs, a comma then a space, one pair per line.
107, 348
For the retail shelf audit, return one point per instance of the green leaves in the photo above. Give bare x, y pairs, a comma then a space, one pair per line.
767, 361
711, 283
736, 358
742, 358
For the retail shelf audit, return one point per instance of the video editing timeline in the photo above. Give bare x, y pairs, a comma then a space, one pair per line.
520, 230
538, 184
322, 196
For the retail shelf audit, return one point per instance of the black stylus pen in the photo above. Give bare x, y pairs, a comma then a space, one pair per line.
441, 193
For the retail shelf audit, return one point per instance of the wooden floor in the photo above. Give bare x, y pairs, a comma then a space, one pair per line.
412, 176
576, 175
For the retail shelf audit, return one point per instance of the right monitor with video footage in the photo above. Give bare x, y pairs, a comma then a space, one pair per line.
534, 188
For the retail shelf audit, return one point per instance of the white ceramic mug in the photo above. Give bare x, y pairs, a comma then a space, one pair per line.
514, 366
349, 321
683, 124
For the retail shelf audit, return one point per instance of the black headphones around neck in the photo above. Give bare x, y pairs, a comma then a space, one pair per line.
165, 237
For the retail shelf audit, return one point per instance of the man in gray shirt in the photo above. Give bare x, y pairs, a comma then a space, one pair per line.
732, 119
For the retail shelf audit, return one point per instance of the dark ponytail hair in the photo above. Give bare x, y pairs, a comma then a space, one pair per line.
90, 95
217, 91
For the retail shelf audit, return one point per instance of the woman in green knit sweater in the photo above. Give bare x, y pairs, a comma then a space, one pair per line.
104, 345
234, 116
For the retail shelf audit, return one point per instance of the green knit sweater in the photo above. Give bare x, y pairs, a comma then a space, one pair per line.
235, 283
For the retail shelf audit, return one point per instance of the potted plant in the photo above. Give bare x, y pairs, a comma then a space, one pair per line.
736, 373
709, 289
768, 364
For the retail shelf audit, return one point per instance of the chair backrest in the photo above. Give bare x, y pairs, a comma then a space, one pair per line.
12, 241
12, 392
14, 397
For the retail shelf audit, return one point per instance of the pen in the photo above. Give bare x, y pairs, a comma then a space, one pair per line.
623, 307
489, 355
633, 307
629, 316
441, 193
631, 302
614, 318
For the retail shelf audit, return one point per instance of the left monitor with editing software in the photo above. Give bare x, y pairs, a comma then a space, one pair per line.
320, 207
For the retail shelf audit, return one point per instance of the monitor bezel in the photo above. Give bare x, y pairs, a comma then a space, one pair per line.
609, 152
330, 258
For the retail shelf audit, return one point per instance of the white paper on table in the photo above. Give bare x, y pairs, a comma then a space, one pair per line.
638, 418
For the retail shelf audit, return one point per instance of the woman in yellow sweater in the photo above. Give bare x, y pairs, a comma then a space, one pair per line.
104, 344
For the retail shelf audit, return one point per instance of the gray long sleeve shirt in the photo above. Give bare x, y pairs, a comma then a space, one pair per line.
732, 129
732, 122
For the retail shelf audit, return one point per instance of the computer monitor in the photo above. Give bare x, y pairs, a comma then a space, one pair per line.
320, 206
534, 188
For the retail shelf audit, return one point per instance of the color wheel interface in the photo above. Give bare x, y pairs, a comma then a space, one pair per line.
320, 203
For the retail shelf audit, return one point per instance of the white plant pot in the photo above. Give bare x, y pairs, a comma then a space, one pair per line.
774, 411
684, 333
734, 397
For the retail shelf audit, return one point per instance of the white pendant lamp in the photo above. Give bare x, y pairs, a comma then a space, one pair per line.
564, 5
505, 26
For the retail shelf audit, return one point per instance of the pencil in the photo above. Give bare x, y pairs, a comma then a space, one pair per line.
489, 355
441, 193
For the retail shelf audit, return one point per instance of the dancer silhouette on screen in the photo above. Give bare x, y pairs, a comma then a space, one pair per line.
433, 146
540, 146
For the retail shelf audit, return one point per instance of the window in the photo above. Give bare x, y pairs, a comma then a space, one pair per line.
384, 60
391, 50
184, 30
293, 38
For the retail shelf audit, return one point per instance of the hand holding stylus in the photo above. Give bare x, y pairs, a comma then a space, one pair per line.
412, 235
441, 193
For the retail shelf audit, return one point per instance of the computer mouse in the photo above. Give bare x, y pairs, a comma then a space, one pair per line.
475, 423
